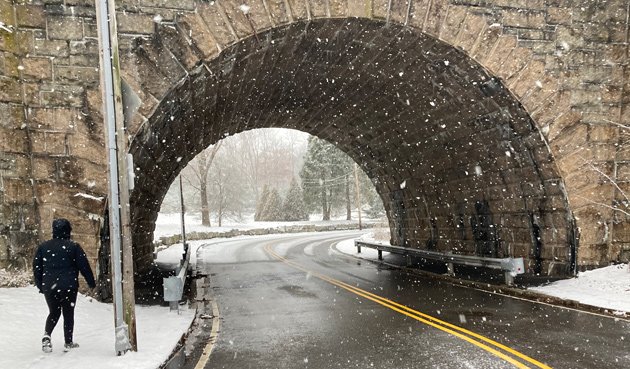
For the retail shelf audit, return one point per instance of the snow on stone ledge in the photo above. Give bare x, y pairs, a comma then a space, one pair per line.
88, 196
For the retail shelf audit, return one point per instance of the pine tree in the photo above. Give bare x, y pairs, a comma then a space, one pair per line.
262, 201
294, 208
272, 210
324, 176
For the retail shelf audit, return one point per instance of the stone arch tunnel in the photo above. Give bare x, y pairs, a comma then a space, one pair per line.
405, 106
482, 126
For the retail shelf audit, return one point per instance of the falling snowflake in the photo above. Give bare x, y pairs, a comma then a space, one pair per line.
244, 8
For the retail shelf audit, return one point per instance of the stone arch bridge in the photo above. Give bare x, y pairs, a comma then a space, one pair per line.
496, 127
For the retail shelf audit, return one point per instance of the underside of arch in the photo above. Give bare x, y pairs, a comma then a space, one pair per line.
458, 162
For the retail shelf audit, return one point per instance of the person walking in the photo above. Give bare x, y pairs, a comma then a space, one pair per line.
56, 268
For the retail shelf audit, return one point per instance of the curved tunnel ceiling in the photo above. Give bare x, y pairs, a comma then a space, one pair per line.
457, 161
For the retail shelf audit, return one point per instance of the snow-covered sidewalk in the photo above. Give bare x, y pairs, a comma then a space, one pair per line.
23, 313
608, 287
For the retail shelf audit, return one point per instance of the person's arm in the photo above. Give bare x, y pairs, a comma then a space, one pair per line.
84, 267
38, 269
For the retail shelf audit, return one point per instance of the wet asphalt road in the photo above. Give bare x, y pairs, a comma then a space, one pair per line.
293, 301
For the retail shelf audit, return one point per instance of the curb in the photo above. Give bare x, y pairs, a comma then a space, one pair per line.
194, 348
177, 358
505, 290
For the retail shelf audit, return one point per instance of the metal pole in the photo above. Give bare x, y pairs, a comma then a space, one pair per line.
181, 201
120, 235
358, 191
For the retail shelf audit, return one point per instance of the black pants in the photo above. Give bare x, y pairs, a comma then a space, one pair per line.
61, 302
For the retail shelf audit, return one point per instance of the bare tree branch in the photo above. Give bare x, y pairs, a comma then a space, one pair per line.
612, 181
617, 124
605, 205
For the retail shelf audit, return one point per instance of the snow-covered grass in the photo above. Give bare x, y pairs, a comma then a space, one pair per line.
23, 312
168, 224
15, 278
608, 287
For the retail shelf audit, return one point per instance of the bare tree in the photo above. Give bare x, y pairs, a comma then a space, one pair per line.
269, 156
196, 176
203, 168
246, 162
228, 191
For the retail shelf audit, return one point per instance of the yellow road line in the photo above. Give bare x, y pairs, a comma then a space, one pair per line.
455, 327
214, 335
424, 318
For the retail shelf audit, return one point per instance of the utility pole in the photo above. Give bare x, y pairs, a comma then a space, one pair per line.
358, 191
119, 181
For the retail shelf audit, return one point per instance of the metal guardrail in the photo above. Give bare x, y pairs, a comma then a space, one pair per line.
174, 285
510, 266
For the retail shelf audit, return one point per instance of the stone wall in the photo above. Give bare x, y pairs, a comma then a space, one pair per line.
52, 146
562, 62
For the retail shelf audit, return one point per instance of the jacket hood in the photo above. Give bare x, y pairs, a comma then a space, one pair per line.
61, 228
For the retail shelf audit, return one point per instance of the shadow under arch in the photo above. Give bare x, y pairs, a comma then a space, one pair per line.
458, 162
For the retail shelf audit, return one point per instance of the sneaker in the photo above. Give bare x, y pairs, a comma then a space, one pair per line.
46, 344
68, 346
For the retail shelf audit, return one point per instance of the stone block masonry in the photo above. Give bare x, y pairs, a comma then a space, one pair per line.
506, 119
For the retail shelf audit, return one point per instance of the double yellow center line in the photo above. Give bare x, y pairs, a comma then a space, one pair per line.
506, 353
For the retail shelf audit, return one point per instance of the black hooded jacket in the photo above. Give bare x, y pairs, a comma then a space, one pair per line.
58, 261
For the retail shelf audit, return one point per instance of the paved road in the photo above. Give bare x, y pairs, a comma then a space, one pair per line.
292, 301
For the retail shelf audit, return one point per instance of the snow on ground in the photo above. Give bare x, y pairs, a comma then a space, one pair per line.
168, 224
214, 250
169, 258
607, 287
347, 247
23, 312
15, 278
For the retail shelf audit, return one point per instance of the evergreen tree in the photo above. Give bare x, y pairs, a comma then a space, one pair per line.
272, 210
294, 207
324, 176
262, 201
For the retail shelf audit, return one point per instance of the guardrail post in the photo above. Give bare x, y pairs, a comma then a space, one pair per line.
509, 278
173, 291
450, 268
358, 247
511, 266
